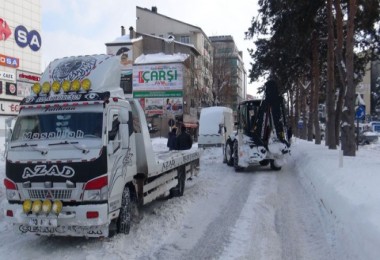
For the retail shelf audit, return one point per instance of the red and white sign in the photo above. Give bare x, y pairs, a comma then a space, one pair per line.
10, 88
26, 76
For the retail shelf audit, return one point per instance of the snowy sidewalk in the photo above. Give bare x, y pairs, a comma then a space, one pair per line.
349, 190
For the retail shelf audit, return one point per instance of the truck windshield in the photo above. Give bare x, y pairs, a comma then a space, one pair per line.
58, 126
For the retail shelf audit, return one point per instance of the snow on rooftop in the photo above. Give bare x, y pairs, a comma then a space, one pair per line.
126, 39
161, 58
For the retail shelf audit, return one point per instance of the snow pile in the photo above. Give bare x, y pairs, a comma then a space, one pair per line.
348, 187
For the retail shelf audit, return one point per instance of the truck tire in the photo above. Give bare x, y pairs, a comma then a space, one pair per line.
264, 162
180, 188
228, 153
274, 166
125, 216
236, 158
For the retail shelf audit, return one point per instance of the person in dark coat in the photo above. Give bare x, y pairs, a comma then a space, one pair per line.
184, 140
172, 139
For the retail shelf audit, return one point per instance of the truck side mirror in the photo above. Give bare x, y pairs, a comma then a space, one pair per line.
114, 126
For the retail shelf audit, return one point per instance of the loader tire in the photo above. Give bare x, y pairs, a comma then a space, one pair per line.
228, 153
264, 162
236, 157
274, 166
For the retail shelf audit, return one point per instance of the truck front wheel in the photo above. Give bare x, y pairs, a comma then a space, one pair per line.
264, 162
125, 216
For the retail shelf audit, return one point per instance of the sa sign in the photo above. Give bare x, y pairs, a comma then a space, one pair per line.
24, 38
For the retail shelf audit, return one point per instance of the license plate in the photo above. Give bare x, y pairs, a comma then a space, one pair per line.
44, 222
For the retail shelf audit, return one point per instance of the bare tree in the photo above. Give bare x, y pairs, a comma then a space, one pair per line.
223, 72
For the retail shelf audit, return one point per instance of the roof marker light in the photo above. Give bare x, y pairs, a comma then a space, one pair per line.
86, 84
66, 86
36, 88
56, 87
46, 87
75, 85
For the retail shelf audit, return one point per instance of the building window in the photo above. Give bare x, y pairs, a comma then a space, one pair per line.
224, 50
185, 39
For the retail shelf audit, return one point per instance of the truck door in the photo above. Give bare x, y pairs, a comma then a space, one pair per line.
115, 153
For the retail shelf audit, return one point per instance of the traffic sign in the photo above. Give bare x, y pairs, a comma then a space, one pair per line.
360, 112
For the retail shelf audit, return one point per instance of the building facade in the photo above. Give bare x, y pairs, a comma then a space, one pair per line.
149, 21
20, 53
158, 73
229, 74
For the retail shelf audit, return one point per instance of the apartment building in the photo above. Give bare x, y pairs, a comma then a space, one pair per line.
149, 21
159, 72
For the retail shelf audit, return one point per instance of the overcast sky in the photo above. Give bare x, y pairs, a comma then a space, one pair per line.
79, 27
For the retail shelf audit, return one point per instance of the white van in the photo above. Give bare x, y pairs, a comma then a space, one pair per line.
215, 125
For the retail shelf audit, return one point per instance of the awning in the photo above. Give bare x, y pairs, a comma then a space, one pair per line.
190, 125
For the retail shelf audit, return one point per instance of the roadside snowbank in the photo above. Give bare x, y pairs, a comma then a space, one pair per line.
348, 187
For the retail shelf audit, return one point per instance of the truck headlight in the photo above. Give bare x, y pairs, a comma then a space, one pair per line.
27, 206
57, 207
36, 206
46, 206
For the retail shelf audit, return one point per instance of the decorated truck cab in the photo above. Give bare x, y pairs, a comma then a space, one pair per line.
79, 160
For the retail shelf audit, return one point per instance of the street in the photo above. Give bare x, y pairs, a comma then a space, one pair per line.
255, 214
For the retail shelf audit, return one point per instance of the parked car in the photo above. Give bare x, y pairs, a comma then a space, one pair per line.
368, 137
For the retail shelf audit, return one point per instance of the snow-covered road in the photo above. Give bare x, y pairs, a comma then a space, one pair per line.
256, 214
